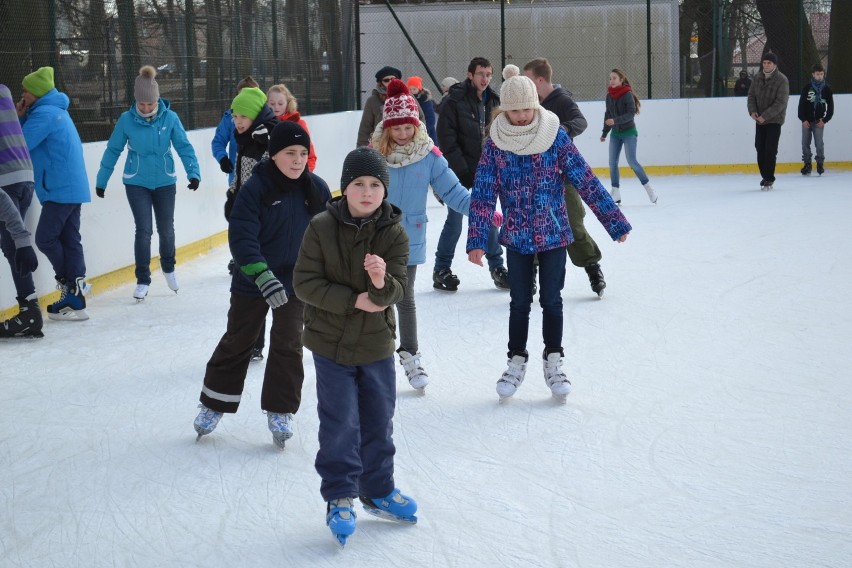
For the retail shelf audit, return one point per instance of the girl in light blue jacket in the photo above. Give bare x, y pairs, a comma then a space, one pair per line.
415, 163
149, 130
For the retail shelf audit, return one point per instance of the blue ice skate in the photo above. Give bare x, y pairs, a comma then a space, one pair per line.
206, 421
340, 518
281, 427
394, 507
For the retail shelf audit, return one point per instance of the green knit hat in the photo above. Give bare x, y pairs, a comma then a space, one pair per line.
39, 82
249, 102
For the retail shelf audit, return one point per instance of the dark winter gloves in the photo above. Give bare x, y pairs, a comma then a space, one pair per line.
226, 165
100, 191
193, 184
25, 260
271, 288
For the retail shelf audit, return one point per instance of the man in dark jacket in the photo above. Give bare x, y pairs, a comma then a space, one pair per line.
767, 105
584, 251
465, 114
742, 85
371, 116
816, 107
270, 215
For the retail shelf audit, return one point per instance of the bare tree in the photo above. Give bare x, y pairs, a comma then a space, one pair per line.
215, 50
129, 43
840, 46
782, 21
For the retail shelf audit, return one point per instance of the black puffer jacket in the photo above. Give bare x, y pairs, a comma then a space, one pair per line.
251, 148
459, 135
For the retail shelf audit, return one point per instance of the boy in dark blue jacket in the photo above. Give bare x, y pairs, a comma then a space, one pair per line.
269, 218
816, 107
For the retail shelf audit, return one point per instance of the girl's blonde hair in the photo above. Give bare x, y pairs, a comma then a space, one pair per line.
625, 81
386, 143
292, 103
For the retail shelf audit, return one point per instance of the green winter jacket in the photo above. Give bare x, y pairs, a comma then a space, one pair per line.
330, 274
768, 97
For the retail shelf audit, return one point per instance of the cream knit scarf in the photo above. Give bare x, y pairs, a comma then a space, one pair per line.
533, 138
412, 152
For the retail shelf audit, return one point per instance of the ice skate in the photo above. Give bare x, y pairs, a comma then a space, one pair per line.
140, 292
513, 376
340, 518
394, 507
806, 169
652, 195
71, 305
820, 167
256, 354
417, 377
555, 378
28, 322
616, 194
206, 421
445, 280
280, 424
596, 278
765, 185
501, 277
171, 281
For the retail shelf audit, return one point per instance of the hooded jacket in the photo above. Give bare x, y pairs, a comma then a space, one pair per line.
561, 103
251, 148
330, 275
459, 134
150, 162
813, 112
267, 223
56, 151
223, 143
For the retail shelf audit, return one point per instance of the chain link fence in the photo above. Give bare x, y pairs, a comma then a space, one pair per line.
327, 51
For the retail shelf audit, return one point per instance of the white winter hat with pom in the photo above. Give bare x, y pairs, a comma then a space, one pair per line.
518, 91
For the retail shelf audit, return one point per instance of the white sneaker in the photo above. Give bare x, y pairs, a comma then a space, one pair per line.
555, 378
140, 292
616, 194
652, 195
416, 375
512, 377
171, 280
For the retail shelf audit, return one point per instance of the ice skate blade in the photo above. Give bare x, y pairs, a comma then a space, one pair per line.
341, 540
412, 520
442, 289
560, 398
33, 335
280, 439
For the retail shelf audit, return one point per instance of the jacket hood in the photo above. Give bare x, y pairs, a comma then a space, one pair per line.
267, 117
559, 88
387, 213
53, 98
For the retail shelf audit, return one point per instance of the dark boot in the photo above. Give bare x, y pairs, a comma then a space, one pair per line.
501, 277
27, 323
445, 280
806, 170
820, 169
596, 278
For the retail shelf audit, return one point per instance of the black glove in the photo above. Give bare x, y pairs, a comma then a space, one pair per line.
25, 260
226, 165
100, 191
271, 288
229, 204
193, 184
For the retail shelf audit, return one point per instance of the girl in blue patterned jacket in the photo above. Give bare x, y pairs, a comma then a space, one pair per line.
415, 163
525, 162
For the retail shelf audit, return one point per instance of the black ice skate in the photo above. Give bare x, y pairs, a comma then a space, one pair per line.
596, 278
806, 169
445, 280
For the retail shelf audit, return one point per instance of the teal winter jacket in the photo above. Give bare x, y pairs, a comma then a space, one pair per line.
150, 162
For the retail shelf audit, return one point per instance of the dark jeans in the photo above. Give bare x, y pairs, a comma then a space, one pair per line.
283, 377
584, 250
450, 237
766, 138
355, 406
406, 311
58, 237
162, 201
21, 194
551, 280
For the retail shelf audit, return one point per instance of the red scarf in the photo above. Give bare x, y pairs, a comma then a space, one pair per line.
616, 92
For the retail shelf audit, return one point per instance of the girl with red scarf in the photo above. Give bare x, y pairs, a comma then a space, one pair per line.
622, 105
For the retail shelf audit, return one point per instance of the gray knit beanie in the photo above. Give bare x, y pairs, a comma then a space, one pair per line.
364, 161
146, 89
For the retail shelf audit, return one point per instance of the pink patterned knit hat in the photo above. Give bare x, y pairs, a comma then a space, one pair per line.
400, 106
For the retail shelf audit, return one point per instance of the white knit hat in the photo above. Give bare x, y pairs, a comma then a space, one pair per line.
518, 91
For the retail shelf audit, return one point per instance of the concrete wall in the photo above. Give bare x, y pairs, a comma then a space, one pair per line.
679, 135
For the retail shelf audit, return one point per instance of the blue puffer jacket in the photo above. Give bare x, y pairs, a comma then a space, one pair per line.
531, 192
56, 151
150, 162
268, 222
224, 143
409, 190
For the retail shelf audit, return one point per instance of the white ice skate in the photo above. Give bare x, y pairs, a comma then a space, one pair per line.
512, 377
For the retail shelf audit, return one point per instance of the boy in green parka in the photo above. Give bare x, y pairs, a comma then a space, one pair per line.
351, 268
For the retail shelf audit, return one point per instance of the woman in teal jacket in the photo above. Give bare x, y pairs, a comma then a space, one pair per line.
149, 130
